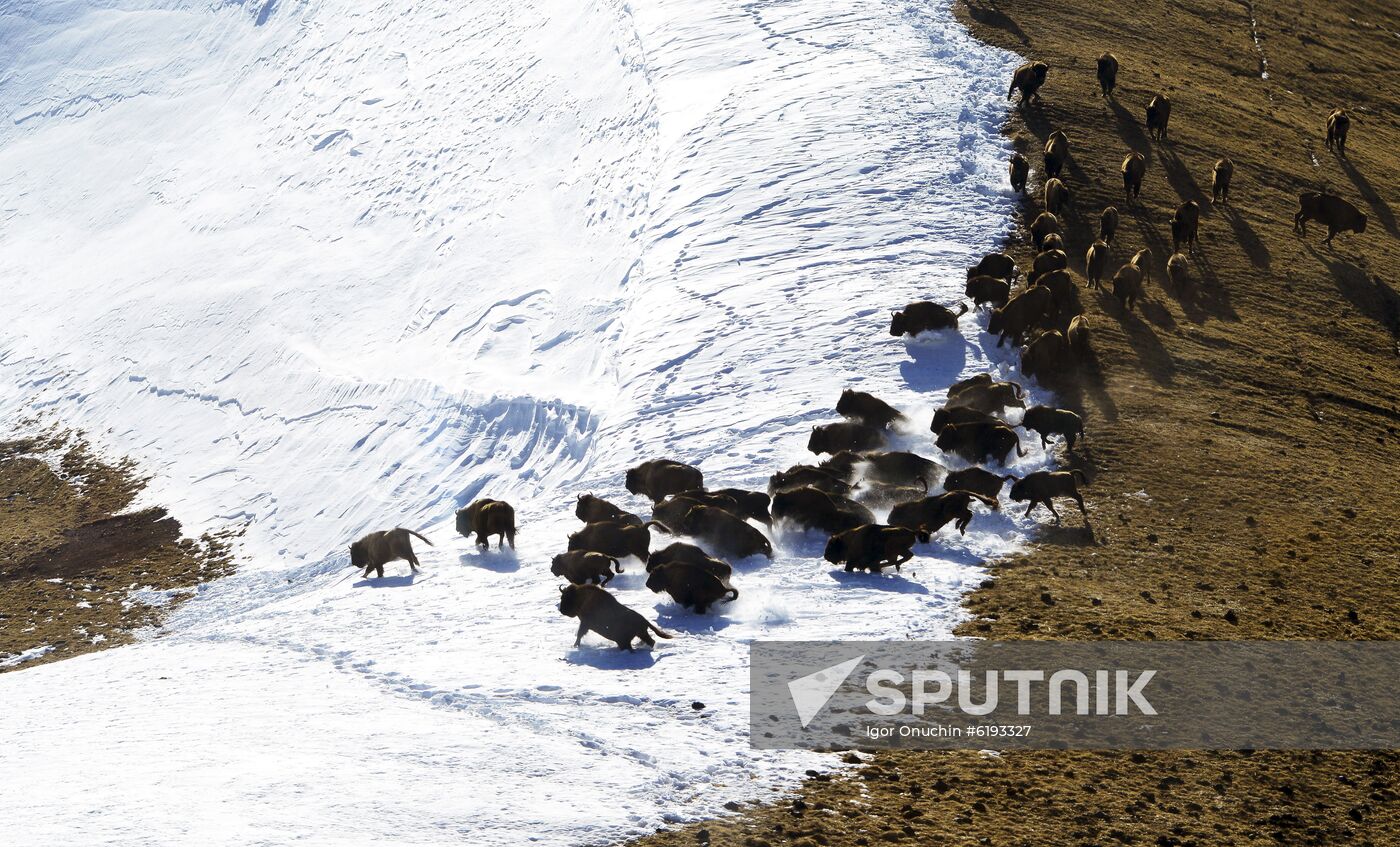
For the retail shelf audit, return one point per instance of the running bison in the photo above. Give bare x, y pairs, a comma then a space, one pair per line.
600, 612
377, 549
873, 547
660, 478
1330, 210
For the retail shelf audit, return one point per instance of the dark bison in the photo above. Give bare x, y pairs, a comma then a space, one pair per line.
600, 612
949, 415
1056, 155
1108, 74
1047, 356
1134, 166
799, 476
931, 514
1127, 285
1184, 225
612, 539
691, 587
1108, 224
1096, 264
1178, 270
748, 504
873, 547
1338, 124
1049, 421
1020, 172
488, 517
590, 509
1021, 314
833, 438
660, 478
584, 566
1220, 178
1028, 79
998, 265
377, 549
1044, 226
813, 509
924, 316
1047, 261
1330, 210
1078, 335
1159, 111
977, 442
720, 530
678, 552
977, 480
986, 395
987, 289
1043, 486
867, 409
898, 467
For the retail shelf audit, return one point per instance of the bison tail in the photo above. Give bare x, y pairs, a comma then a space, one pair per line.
1020, 451
659, 525
924, 483
659, 634
617, 565
419, 537
733, 595
1079, 475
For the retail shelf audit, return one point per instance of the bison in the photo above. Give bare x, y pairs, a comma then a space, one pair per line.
585, 566
691, 587
799, 476
1056, 154
660, 478
1044, 486
723, 531
1042, 227
1047, 261
978, 481
813, 509
590, 509
689, 554
987, 396
377, 549
1028, 79
1096, 263
1159, 111
1108, 74
1127, 285
1020, 172
600, 612
924, 316
901, 468
1078, 335
873, 547
1220, 178
1047, 355
747, 504
612, 539
1108, 224
949, 415
1052, 241
487, 517
833, 438
983, 290
1330, 210
1021, 314
1142, 260
977, 442
1184, 225
998, 265
1338, 124
867, 409
1178, 270
931, 514
1049, 421
1134, 166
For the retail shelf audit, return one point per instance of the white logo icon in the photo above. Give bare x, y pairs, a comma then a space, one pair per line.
810, 693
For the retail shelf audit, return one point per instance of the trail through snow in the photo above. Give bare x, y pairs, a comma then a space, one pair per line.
327, 266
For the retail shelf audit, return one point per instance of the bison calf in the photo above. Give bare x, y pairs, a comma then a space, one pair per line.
584, 566
1020, 172
600, 612
924, 316
1050, 421
374, 551
1043, 486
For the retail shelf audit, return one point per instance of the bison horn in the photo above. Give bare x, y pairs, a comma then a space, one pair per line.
561, 589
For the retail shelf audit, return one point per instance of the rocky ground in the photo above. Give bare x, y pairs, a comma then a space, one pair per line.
72, 551
1243, 430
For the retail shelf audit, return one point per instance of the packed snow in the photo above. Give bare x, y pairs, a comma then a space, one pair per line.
329, 266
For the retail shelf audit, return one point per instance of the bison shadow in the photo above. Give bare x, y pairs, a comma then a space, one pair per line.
497, 561
1248, 239
1370, 295
1373, 199
893, 582
1151, 353
1130, 129
396, 581
607, 657
987, 14
934, 360
672, 616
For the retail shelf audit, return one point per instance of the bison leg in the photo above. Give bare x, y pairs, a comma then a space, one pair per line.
412, 561
1331, 234
582, 631
603, 579
482, 541
1050, 504
645, 637
1079, 498
1300, 223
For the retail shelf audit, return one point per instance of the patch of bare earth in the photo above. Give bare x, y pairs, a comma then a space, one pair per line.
72, 552
1243, 431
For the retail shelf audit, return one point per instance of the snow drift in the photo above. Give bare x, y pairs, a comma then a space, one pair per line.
327, 266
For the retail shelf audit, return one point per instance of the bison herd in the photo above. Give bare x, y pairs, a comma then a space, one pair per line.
854, 474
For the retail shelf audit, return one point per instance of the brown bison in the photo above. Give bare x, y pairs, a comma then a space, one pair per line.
1178, 270
726, 533
1021, 314
1047, 355
799, 476
1052, 241
1044, 225
487, 517
924, 316
1142, 260
1020, 172
1330, 210
1159, 111
867, 409
1049, 421
1044, 486
590, 509
612, 539
813, 509
873, 547
899, 467
377, 549
1220, 178
747, 504
933, 513
987, 396
1184, 225
1056, 154
1062, 286
672, 510
949, 415
1028, 79
1078, 335
1096, 264
1127, 285
998, 265
1134, 167
600, 612
983, 290
1047, 261
1108, 224
691, 587
977, 442
1108, 73
584, 566
661, 478
833, 438
1338, 124
978, 481
678, 552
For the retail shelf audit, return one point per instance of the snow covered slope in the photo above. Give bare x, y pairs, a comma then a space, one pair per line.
337, 265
